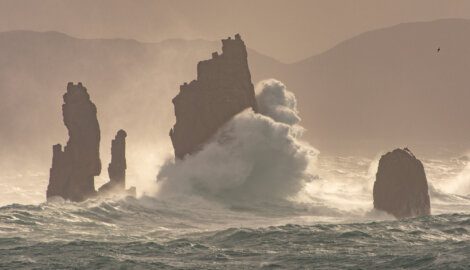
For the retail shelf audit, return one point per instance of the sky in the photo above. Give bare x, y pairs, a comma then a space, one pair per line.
288, 30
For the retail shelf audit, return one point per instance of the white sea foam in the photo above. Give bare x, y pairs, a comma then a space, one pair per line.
254, 157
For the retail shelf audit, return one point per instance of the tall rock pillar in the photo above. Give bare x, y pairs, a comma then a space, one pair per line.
117, 167
74, 168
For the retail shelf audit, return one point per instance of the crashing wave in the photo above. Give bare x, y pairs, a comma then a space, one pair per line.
254, 157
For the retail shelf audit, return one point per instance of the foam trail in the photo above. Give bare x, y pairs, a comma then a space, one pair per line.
254, 157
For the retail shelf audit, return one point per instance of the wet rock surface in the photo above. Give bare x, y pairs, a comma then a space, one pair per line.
223, 89
401, 187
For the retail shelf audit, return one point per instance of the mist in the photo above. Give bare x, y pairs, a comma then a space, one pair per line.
350, 153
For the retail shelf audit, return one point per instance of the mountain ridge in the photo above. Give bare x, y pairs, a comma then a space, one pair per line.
384, 88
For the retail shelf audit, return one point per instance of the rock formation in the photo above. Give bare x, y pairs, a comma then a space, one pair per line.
73, 168
223, 89
401, 188
117, 167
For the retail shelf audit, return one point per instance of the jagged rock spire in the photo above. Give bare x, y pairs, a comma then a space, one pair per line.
223, 89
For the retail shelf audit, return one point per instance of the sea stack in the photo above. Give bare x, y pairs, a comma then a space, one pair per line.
117, 168
223, 89
401, 187
74, 168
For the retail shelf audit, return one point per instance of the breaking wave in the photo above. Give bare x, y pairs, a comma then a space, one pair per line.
254, 157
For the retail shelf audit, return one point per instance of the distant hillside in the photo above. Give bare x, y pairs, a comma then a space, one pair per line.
384, 88
388, 87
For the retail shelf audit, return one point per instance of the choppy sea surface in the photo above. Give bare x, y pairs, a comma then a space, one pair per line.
331, 225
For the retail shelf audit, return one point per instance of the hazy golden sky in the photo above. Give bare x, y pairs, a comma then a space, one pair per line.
287, 30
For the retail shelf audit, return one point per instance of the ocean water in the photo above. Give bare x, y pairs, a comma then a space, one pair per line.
336, 230
255, 197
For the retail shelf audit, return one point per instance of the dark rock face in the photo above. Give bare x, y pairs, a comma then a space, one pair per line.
401, 187
74, 167
223, 89
117, 167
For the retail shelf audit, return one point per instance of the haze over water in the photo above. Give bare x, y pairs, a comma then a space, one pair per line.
326, 119
198, 218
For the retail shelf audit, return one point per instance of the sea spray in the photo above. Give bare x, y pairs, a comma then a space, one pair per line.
460, 184
254, 157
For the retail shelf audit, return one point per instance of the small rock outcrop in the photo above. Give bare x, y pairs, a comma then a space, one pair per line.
117, 168
401, 187
74, 168
223, 89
